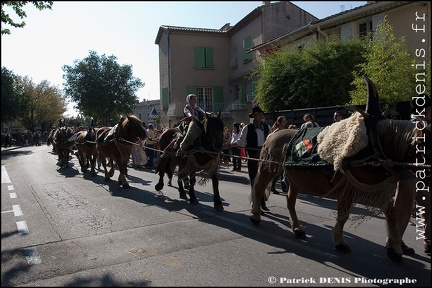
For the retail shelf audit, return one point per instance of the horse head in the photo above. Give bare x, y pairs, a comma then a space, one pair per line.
132, 128
213, 128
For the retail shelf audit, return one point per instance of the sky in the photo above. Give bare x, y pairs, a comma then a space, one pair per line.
127, 30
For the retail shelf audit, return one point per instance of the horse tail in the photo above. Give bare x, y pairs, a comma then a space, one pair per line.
267, 191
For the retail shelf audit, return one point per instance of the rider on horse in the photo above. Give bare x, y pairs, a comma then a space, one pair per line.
193, 116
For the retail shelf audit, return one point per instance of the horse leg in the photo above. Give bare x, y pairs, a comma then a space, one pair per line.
291, 199
181, 190
163, 166
59, 156
393, 241
102, 159
192, 198
259, 187
93, 164
87, 160
122, 175
112, 168
344, 207
65, 158
404, 203
217, 203
80, 161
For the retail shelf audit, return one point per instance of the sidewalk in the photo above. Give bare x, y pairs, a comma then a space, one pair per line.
10, 148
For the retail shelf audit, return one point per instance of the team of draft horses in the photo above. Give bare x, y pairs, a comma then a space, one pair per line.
366, 157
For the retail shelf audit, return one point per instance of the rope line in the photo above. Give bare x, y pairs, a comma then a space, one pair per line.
373, 163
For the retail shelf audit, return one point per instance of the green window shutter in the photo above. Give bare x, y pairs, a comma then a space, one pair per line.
190, 90
199, 57
165, 99
209, 57
247, 43
218, 98
243, 92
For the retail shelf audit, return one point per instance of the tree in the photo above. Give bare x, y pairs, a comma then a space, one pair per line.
17, 6
101, 88
318, 75
11, 102
44, 104
50, 106
390, 65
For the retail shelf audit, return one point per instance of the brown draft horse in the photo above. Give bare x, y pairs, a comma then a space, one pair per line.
59, 139
398, 143
85, 143
118, 146
205, 159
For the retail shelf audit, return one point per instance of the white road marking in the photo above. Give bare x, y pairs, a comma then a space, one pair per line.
17, 210
22, 227
4, 175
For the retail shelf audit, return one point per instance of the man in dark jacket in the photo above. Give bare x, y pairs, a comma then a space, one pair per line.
252, 137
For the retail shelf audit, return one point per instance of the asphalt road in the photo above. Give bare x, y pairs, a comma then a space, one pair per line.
61, 227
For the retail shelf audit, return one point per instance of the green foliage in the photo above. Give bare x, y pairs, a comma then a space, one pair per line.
10, 101
101, 88
44, 103
318, 75
17, 7
30, 104
389, 64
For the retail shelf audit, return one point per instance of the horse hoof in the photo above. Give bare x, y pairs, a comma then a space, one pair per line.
183, 196
299, 234
159, 186
406, 250
254, 221
218, 207
391, 253
343, 248
194, 201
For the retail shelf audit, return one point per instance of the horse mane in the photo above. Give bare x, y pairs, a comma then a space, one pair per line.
132, 123
131, 120
206, 139
400, 134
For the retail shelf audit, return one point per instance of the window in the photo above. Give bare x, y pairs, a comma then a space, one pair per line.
365, 29
250, 90
205, 98
236, 92
247, 43
203, 57
233, 59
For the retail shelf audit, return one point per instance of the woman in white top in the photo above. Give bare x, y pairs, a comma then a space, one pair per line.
235, 151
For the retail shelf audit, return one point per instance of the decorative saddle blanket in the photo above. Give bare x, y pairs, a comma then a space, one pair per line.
327, 147
302, 150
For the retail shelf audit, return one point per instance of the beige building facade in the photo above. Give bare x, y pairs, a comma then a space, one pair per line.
216, 64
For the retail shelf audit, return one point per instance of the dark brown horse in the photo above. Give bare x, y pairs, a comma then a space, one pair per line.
204, 159
59, 139
85, 143
368, 177
118, 145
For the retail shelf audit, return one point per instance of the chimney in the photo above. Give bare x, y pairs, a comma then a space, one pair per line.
266, 2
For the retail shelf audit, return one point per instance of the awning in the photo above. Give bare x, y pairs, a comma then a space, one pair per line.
175, 110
